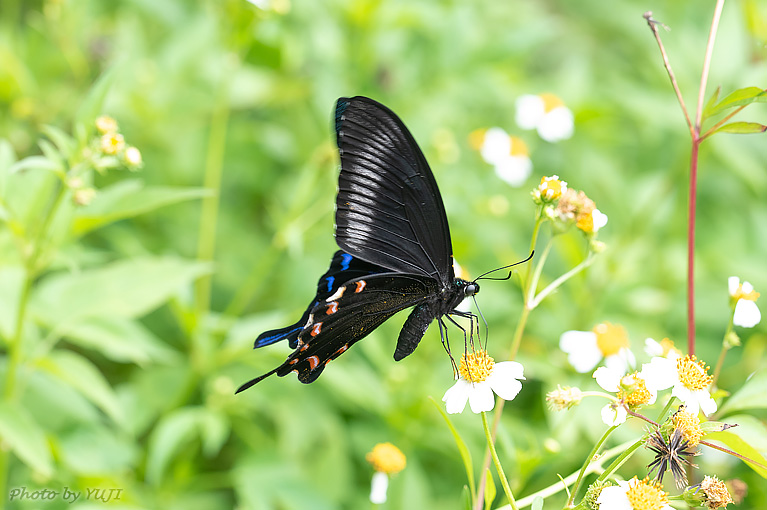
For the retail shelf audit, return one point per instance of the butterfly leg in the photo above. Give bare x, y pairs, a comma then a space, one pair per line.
446, 344
473, 319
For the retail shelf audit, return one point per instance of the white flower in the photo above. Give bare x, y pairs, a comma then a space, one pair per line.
508, 154
665, 348
617, 497
585, 349
631, 391
614, 414
689, 379
479, 377
599, 219
746, 314
546, 113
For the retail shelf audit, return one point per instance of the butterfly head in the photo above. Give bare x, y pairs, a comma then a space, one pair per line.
471, 289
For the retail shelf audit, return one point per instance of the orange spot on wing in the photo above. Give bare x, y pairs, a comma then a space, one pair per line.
332, 307
316, 329
360, 285
341, 350
313, 362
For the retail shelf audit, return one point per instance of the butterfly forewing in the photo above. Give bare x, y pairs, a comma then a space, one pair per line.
388, 210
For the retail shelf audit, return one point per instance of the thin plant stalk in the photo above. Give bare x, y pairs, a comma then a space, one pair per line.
498, 466
725, 347
589, 460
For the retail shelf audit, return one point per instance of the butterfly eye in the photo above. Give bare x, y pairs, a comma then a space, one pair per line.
471, 289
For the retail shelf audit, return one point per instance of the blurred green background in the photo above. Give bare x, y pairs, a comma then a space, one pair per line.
203, 87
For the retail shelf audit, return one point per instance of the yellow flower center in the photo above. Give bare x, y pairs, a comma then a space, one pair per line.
106, 124
476, 366
586, 222
717, 495
112, 143
689, 424
551, 187
694, 375
668, 347
635, 392
611, 338
550, 101
386, 458
518, 147
477, 138
748, 296
646, 494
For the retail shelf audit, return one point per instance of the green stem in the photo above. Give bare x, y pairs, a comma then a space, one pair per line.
622, 458
533, 284
562, 279
589, 460
725, 348
498, 467
666, 409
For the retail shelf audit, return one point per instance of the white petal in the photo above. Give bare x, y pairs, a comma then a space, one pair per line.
530, 110
378, 487
614, 498
496, 145
456, 396
747, 288
707, 403
510, 369
733, 282
556, 125
685, 395
514, 169
659, 374
599, 219
612, 416
652, 347
747, 314
504, 386
621, 362
608, 379
581, 346
481, 398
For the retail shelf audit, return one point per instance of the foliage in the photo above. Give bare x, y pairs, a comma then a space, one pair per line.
127, 313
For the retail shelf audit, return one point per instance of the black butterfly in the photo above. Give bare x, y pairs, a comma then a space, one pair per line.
395, 247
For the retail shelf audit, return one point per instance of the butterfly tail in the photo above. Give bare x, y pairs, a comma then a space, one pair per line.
256, 380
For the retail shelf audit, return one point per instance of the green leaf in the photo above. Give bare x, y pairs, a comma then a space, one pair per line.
740, 97
39, 163
176, 430
25, 437
752, 395
749, 439
82, 375
710, 104
119, 339
92, 105
11, 281
127, 199
741, 128
64, 142
126, 289
7, 159
490, 490
462, 448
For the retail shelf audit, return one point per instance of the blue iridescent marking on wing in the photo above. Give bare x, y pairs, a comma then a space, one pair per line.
330, 280
268, 340
346, 259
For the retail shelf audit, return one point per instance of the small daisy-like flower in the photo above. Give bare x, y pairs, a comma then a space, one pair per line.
508, 154
112, 143
547, 114
83, 196
585, 349
106, 124
479, 377
563, 398
711, 493
550, 189
672, 454
630, 390
634, 495
386, 459
593, 492
591, 222
689, 425
665, 348
132, 157
688, 377
743, 297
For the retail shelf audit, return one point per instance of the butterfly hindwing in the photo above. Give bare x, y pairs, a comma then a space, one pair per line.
388, 210
343, 267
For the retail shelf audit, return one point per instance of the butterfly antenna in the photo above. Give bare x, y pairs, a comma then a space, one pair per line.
487, 329
482, 276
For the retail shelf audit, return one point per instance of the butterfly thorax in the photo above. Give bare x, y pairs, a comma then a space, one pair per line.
454, 294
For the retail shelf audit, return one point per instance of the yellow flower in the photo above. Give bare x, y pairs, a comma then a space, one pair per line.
106, 124
386, 458
717, 495
112, 143
132, 157
551, 188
